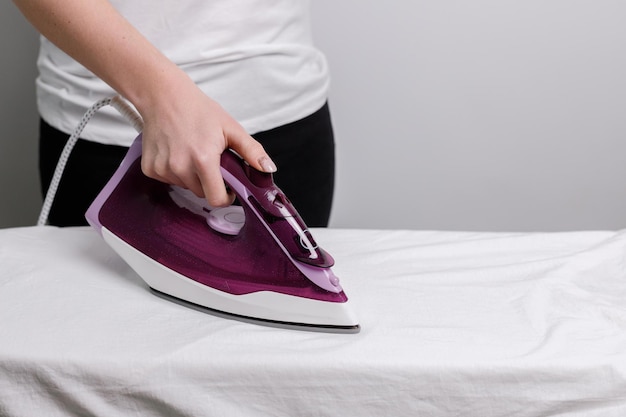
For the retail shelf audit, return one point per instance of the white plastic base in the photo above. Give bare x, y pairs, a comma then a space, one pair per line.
263, 305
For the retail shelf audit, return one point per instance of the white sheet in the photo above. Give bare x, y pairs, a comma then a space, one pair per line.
453, 324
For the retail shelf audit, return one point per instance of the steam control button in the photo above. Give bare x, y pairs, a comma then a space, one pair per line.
279, 201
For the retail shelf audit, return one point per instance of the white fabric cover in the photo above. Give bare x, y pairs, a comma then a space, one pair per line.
453, 324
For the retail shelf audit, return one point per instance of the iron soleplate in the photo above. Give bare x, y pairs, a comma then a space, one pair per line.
263, 322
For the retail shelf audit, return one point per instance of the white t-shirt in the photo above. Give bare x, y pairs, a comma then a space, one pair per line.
254, 57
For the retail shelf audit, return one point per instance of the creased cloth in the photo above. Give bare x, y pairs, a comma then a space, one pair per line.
453, 324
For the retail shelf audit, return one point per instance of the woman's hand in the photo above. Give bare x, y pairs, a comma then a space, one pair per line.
185, 132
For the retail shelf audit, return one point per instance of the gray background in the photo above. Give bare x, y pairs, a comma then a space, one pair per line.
486, 115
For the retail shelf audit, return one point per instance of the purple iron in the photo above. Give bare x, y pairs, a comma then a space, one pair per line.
255, 262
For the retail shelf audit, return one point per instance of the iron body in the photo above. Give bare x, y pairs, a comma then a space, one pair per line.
256, 261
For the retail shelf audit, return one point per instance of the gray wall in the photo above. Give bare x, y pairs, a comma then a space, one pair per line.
479, 115
482, 115
19, 185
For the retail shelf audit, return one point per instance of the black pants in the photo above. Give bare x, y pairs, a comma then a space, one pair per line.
304, 152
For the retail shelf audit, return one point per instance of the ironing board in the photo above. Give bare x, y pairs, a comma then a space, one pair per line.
453, 324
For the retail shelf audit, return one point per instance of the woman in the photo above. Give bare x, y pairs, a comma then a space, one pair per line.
204, 76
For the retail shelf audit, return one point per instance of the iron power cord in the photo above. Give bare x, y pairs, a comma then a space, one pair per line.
116, 102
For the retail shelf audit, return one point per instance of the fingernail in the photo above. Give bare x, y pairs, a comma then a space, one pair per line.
267, 164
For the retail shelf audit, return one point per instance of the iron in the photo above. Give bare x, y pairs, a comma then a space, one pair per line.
254, 261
